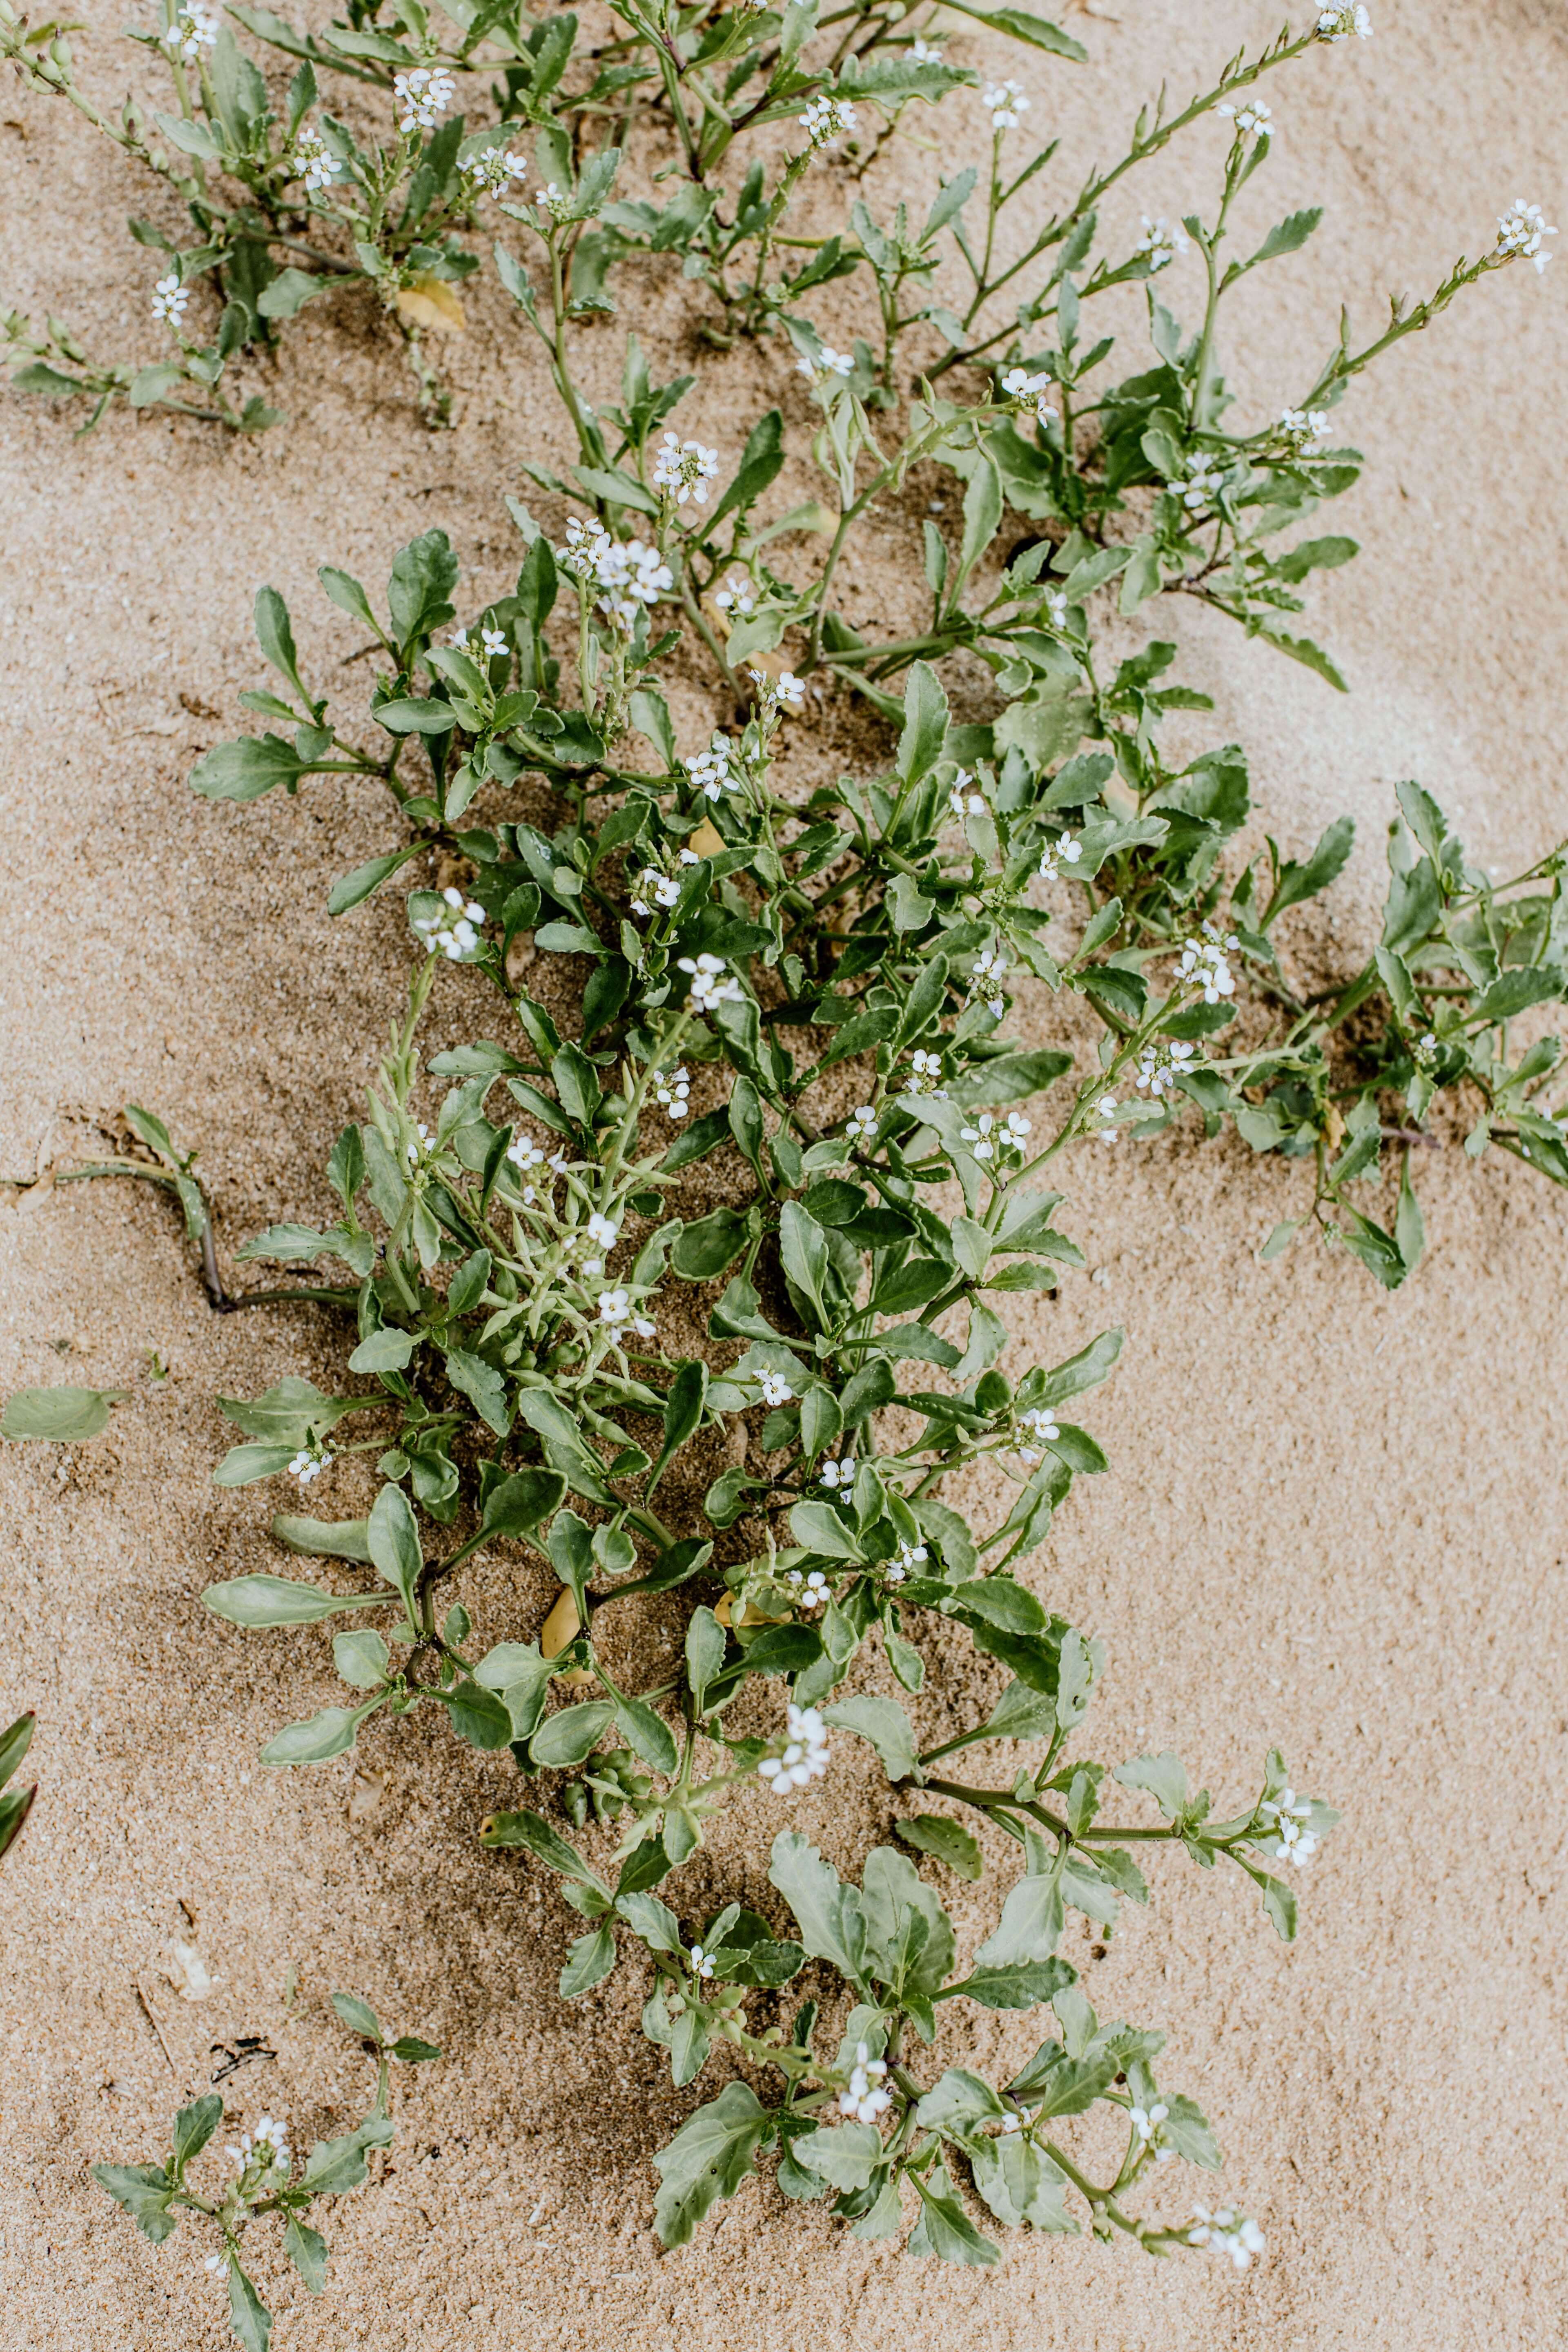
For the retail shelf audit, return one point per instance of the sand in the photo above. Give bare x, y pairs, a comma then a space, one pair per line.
1332, 1514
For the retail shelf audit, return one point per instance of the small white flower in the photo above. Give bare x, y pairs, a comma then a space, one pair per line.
1227, 2232
169, 300
963, 801
910, 1558
1520, 231
1146, 2123
451, 933
1304, 426
863, 1123
712, 771
423, 96
603, 1230
785, 692
986, 980
314, 161
827, 363
556, 202
673, 1090
827, 121
736, 595
422, 1140
865, 2099
1253, 120
683, 469
1162, 1064
1105, 1110
1340, 18
925, 1074
838, 1476
1161, 240
712, 982
1065, 850
1204, 962
1032, 1431
493, 172
1292, 1841
1201, 482
1031, 392
195, 27
804, 1753
218, 2263
924, 54
272, 2134
775, 1388
614, 1310
1006, 103
307, 1465
700, 1962
808, 1591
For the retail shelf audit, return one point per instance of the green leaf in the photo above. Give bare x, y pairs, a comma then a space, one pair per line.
683, 1405
588, 1962
477, 1714
14, 1742
285, 295
818, 1527
307, 2250
708, 2158
946, 1841
566, 1738
335, 2165
704, 1249
323, 1538
844, 2156
259, 1601
645, 1732
521, 1503
393, 1541
248, 2314
1020, 1984
144, 2190
194, 2126
352, 889
945, 2229
1287, 236
706, 1644
316, 1740
883, 1722
61, 1416
1085, 1371
1024, 25
1163, 1776
546, 1844
243, 770
1031, 1924
826, 1912
925, 722
359, 2017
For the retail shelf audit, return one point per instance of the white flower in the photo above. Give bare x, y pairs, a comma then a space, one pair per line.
1161, 1064
421, 1140
493, 172
804, 1754
736, 595
1006, 103
1146, 2123
1342, 18
169, 300
826, 363
986, 980
1204, 962
1292, 1841
633, 574
925, 1074
616, 1314
700, 1962
423, 96
1520, 231
785, 692
683, 469
1227, 2232
1304, 426
275, 2135
711, 771
452, 930
838, 1476
963, 802
555, 201
865, 2099
1253, 120
827, 121
1106, 1108
1161, 241
673, 1090
662, 888
307, 1465
1031, 392
910, 1558
218, 2263
924, 53
1202, 482
1065, 850
809, 1592
603, 1230
1032, 1431
314, 161
775, 1388
863, 1123
492, 643
712, 982
195, 27
525, 1154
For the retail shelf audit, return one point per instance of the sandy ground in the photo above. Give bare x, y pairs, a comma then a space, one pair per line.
1333, 1517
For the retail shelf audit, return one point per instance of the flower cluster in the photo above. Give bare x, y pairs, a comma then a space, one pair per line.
1304, 426
492, 642
193, 28
309, 1464
1146, 2123
554, 202
1520, 231
925, 1075
1253, 120
785, 692
1001, 1140
910, 1558
1201, 483
1065, 850
1163, 1061
1161, 241
1292, 1841
264, 2150
712, 982
1006, 103
804, 1755
632, 574
423, 96
673, 1091
1032, 1431
963, 801
492, 173
1026, 391
525, 1155
1105, 1111
683, 469
314, 161
808, 1591
662, 889
615, 1314
712, 771
865, 2098
1205, 962
452, 930
827, 363
169, 300
827, 121
1340, 18
1226, 2232
986, 980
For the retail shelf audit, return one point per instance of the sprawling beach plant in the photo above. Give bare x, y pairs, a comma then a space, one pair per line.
689, 1276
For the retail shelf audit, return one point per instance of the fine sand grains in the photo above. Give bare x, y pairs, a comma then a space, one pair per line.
1333, 1519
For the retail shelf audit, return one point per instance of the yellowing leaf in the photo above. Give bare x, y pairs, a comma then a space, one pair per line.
431, 302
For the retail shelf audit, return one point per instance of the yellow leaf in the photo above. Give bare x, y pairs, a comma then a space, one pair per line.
706, 840
431, 302
560, 1629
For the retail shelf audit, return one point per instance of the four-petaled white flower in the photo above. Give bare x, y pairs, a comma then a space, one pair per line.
1033, 1431
1292, 1841
712, 982
1146, 2123
662, 888
1340, 18
615, 1314
314, 161
1006, 103
1520, 231
986, 980
1201, 483
451, 928
1253, 120
863, 1123
1304, 426
785, 692
1057, 607
195, 27
711, 771
775, 1388
963, 801
924, 53
827, 121
803, 1756
925, 1074
1031, 392
1065, 850
1226, 2232
910, 1556
524, 1155
307, 1465
699, 1961
1161, 1064
423, 96
864, 2098
673, 1091
1204, 962
1161, 240
683, 469
169, 300
493, 172
838, 1476
736, 595
808, 1591
826, 364
554, 202
421, 1140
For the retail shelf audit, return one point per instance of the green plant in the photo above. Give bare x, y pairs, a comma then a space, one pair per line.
16, 1804
806, 992
157, 2196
